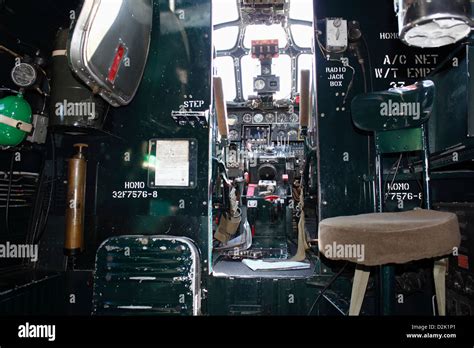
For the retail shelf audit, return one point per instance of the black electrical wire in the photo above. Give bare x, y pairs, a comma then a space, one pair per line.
320, 296
52, 188
371, 79
9, 90
51, 192
38, 201
10, 182
418, 181
396, 166
364, 75
369, 59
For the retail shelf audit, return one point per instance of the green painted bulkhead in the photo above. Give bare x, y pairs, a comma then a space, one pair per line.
179, 69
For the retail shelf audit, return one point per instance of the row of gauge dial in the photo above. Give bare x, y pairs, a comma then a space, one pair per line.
261, 118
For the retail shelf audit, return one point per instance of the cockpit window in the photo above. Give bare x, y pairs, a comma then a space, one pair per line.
225, 69
224, 11
232, 38
299, 10
265, 32
225, 38
302, 35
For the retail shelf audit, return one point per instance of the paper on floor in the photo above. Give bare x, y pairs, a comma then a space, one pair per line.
262, 265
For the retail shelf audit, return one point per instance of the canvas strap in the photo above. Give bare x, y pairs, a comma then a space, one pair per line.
23, 126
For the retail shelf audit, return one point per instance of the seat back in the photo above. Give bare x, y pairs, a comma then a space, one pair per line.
397, 118
147, 275
394, 109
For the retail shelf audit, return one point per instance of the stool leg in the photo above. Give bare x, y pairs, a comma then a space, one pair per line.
439, 273
387, 280
361, 278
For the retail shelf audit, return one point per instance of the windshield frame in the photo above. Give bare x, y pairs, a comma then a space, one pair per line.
239, 51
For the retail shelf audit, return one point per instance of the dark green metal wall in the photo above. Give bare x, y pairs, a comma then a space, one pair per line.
179, 66
449, 124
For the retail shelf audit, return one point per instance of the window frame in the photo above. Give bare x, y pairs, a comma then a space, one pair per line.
239, 51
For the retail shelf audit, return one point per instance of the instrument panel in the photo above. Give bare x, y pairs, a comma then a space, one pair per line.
283, 125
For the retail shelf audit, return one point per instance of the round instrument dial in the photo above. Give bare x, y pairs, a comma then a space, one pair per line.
247, 118
258, 118
232, 119
233, 135
23, 75
293, 134
259, 84
270, 117
282, 118
294, 118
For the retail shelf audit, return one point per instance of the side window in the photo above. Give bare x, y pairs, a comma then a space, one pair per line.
302, 10
224, 11
302, 35
224, 67
225, 38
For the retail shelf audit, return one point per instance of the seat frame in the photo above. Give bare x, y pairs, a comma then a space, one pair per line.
397, 140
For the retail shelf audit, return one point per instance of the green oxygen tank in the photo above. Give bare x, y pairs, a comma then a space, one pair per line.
15, 120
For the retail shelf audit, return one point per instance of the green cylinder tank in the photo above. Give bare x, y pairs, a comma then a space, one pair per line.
16, 108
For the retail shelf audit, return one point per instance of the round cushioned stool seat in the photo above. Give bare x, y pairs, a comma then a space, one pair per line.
385, 238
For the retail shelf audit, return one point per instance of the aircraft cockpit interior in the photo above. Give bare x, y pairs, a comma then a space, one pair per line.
262, 87
236, 158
